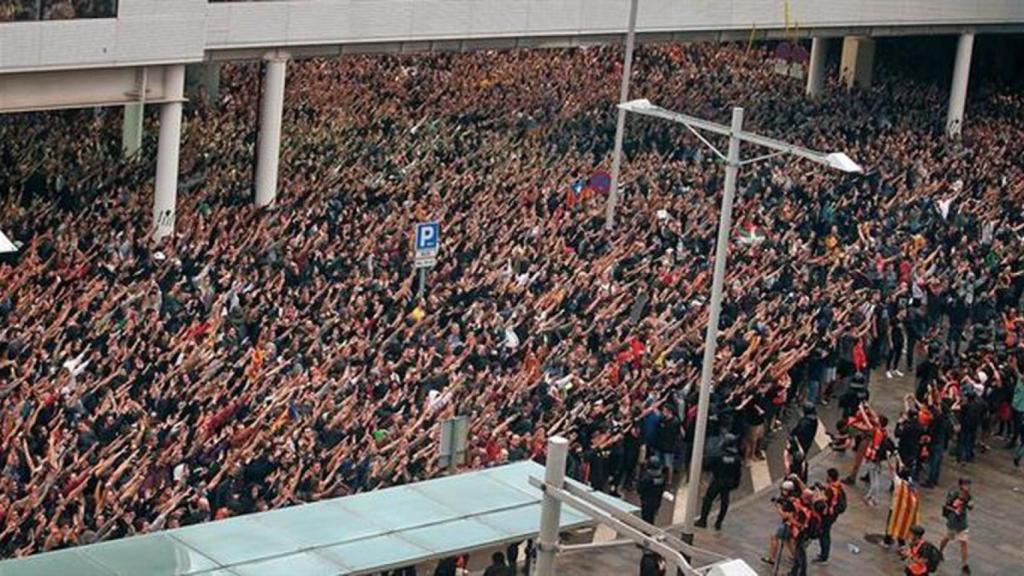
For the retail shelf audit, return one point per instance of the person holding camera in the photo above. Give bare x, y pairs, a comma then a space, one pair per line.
811, 507
783, 536
803, 511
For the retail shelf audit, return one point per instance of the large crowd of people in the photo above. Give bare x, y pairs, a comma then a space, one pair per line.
28, 10
262, 358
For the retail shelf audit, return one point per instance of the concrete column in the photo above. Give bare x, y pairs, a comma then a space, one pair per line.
271, 108
858, 61
816, 68
551, 507
210, 80
202, 82
958, 91
166, 195
131, 129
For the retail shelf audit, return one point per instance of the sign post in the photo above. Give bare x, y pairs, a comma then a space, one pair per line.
454, 432
428, 240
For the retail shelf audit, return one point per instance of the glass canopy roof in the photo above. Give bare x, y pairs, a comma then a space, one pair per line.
354, 535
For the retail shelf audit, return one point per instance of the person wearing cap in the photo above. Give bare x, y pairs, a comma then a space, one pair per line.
650, 488
785, 508
958, 503
726, 474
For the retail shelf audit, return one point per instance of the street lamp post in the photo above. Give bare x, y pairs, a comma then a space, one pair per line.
620, 126
732, 165
836, 160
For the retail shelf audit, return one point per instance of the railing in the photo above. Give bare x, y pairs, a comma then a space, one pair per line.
33, 10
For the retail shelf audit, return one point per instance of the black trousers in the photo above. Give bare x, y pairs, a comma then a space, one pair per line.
716, 490
799, 557
895, 353
910, 345
825, 541
649, 509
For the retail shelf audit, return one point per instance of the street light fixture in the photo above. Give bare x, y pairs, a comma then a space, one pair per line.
835, 160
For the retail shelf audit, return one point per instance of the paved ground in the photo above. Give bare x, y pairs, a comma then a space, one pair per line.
997, 541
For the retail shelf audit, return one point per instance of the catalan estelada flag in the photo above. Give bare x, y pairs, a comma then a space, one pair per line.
905, 511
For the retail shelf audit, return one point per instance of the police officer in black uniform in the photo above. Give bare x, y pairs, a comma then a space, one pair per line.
651, 488
726, 473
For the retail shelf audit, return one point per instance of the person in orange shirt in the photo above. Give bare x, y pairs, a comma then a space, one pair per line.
922, 557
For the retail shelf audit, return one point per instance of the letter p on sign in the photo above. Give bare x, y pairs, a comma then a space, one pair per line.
427, 236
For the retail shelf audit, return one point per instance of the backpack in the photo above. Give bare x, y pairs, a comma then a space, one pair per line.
931, 555
815, 523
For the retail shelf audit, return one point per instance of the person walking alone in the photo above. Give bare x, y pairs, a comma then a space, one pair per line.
958, 503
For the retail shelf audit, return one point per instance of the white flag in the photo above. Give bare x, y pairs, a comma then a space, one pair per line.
6, 245
944, 208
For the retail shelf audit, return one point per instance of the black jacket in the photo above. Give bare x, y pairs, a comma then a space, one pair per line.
728, 471
651, 487
805, 430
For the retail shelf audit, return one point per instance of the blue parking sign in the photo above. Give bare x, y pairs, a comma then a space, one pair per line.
428, 236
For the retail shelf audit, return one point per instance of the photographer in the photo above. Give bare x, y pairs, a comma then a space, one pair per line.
804, 513
812, 508
787, 511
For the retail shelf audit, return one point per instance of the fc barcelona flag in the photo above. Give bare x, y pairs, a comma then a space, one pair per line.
905, 511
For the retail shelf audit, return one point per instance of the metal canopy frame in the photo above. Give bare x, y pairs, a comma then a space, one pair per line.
557, 491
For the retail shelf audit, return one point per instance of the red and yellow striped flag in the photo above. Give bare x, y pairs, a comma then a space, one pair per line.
905, 511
